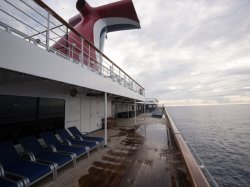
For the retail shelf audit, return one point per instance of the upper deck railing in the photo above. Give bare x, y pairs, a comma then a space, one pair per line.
37, 23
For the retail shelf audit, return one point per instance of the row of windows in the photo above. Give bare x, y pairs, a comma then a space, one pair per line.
21, 116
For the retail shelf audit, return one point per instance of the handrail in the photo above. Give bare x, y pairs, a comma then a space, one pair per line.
197, 177
52, 12
37, 23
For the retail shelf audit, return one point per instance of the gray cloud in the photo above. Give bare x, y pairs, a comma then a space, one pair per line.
187, 51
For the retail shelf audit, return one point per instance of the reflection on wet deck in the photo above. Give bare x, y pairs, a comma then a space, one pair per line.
140, 160
151, 164
141, 157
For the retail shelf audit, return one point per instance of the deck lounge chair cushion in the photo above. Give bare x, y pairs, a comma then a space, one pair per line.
31, 144
76, 132
63, 133
8, 154
12, 163
7, 183
50, 138
31, 170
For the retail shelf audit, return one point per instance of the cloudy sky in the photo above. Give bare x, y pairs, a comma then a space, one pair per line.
187, 51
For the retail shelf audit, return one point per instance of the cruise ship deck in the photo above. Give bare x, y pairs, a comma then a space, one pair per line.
143, 157
54, 77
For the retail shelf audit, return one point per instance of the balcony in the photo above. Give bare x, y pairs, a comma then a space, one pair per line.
38, 25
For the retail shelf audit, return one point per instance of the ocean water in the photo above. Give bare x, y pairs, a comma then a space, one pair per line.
220, 136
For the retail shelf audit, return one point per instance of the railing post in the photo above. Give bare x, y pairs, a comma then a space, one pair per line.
100, 69
8, 29
112, 71
73, 47
67, 38
119, 76
89, 57
47, 32
82, 48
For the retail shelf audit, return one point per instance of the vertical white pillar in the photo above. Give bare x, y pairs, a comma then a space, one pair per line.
144, 109
135, 111
128, 110
105, 117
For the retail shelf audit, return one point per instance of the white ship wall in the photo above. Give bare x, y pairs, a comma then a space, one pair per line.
21, 56
82, 111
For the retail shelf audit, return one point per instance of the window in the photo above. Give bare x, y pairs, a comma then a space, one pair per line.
22, 116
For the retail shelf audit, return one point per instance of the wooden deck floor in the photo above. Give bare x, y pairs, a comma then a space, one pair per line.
140, 157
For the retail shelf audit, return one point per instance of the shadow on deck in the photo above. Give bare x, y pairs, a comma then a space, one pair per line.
141, 156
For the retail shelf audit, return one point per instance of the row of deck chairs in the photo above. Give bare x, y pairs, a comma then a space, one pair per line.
38, 162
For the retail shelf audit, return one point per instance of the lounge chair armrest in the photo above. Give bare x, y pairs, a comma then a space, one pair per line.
46, 162
73, 155
15, 176
2, 174
52, 148
86, 134
80, 138
17, 181
28, 156
67, 142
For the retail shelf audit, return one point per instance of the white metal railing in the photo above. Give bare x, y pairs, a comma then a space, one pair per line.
35, 22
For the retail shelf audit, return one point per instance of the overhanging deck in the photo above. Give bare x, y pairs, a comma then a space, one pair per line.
20, 56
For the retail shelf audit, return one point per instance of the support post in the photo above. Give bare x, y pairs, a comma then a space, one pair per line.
82, 48
47, 32
144, 109
135, 111
128, 110
105, 117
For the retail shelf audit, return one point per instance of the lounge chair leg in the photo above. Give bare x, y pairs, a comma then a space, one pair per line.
98, 146
74, 162
54, 175
87, 149
55, 170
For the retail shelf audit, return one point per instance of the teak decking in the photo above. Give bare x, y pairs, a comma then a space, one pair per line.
146, 156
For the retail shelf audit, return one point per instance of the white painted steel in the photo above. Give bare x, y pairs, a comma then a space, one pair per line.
105, 117
103, 23
96, 57
135, 108
33, 60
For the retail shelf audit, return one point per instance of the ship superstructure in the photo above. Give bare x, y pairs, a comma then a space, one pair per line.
42, 56
57, 85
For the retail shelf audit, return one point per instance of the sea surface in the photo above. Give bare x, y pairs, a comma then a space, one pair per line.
220, 136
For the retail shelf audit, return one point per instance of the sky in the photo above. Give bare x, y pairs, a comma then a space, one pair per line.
187, 52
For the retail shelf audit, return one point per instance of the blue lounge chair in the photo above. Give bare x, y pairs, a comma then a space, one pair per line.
8, 182
66, 137
5, 182
30, 172
77, 134
59, 159
52, 141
